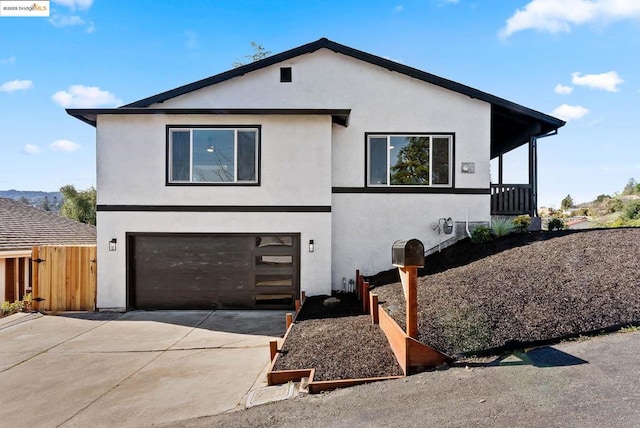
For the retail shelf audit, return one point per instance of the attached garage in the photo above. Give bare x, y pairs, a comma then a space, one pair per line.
213, 271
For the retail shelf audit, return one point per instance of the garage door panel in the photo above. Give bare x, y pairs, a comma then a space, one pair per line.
198, 271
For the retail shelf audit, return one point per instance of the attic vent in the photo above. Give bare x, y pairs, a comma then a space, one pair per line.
285, 74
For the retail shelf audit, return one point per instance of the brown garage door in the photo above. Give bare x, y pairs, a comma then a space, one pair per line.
203, 271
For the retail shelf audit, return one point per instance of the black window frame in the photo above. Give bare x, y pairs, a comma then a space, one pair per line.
429, 187
169, 182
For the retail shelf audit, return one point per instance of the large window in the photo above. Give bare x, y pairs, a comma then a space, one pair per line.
409, 160
213, 155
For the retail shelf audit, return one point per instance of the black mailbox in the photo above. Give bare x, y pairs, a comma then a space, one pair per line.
407, 253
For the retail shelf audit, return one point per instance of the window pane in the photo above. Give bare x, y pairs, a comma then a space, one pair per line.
274, 260
213, 155
440, 153
409, 160
274, 280
377, 161
274, 241
247, 155
180, 155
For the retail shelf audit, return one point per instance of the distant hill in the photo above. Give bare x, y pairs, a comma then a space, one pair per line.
49, 201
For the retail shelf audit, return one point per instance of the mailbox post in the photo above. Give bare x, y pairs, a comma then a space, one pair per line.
408, 256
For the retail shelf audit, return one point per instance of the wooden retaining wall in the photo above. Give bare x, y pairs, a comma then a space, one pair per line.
64, 277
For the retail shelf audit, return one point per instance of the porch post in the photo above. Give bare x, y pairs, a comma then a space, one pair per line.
533, 174
500, 168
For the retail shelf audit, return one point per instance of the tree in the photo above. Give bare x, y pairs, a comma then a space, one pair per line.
412, 166
79, 205
44, 204
630, 188
566, 203
24, 200
259, 53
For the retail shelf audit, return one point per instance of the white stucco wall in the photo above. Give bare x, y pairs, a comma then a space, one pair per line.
380, 101
302, 158
315, 268
365, 226
295, 162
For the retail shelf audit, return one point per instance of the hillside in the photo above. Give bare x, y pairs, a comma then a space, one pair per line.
524, 288
36, 198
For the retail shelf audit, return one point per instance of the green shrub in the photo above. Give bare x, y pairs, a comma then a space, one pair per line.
480, 234
556, 224
521, 223
501, 226
613, 205
631, 211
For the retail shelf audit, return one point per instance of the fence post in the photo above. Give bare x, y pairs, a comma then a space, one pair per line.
289, 318
375, 315
273, 348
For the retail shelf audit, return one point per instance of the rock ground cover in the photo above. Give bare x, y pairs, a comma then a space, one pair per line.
338, 341
509, 292
524, 288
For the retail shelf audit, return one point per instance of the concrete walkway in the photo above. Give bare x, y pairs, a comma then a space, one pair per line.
132, 369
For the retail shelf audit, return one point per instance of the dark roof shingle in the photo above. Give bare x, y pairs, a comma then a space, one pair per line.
22, 227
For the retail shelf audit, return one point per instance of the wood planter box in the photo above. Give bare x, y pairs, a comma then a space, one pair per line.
412, 355
277, 377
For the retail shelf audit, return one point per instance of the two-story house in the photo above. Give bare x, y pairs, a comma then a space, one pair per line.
287, 174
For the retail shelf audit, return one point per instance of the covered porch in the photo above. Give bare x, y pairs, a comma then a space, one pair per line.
512, 128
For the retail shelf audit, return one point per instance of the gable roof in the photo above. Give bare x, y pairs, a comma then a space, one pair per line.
22, 227
511, 123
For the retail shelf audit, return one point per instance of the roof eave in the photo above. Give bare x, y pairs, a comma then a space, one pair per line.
338, 116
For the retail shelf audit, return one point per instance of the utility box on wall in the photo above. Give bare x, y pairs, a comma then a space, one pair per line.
408, 252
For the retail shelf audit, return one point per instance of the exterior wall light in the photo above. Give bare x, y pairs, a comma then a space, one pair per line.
112, 244
312, 246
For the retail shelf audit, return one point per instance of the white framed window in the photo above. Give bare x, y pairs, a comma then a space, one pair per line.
409, 160
213, 155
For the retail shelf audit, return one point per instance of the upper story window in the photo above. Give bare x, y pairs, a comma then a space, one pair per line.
213, 155
409, 160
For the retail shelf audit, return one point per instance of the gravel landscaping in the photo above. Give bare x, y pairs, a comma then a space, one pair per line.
511, 292
523, 288
338, 341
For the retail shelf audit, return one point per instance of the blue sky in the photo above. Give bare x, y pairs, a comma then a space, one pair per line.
575, 59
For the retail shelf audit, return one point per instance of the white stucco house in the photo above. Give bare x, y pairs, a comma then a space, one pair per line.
287, 174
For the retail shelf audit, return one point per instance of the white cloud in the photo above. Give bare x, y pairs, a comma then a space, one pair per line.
568, 112
10, 60
31, 149
605, 81
85, 97
16, 85
74, 4
65, 21
555, 16
399, 8
64, 146
562, 89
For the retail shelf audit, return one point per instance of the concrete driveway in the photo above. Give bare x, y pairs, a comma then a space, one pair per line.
132, 369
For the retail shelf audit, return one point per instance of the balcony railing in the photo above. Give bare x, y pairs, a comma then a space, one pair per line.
511, 199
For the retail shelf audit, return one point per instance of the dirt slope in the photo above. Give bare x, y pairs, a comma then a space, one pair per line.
524, 288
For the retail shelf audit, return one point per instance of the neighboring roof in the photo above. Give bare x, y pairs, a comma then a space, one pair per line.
510, 121
22, 227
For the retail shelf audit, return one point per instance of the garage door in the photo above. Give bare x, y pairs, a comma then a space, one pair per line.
203, 271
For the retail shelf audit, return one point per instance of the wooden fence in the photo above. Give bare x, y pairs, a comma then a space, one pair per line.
65, 278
